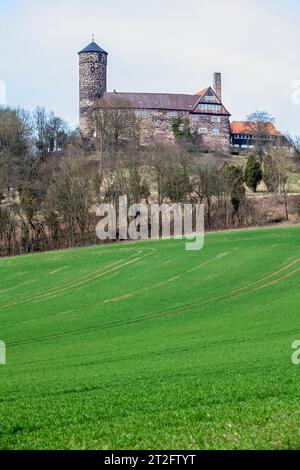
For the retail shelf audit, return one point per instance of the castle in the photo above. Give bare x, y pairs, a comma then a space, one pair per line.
204, 113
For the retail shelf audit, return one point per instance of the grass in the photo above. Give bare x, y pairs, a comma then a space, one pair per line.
148, 346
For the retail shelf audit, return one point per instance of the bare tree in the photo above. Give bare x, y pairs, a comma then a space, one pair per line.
276, 174
113, 122
15, 141
8, 227
207, 184
170, 172
50, 130
259, 125
70, 197
126, 177
294, 143
40, 123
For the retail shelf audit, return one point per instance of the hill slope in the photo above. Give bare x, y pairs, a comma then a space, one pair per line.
145, 345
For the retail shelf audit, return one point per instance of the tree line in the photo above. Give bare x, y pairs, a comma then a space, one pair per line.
51, 180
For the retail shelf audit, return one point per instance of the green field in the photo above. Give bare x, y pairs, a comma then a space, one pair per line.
148, 346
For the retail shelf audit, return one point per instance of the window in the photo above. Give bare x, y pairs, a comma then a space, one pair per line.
141, 113
194, 118
216, 119
202, 130
209, 108
211, 99
172, 114
216, 131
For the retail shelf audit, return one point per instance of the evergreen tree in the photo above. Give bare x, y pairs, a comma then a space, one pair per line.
253, 173
235, 182
270, 174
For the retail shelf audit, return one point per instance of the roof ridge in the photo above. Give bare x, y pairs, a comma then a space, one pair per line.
149, 93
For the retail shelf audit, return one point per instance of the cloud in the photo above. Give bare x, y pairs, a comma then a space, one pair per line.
162, 45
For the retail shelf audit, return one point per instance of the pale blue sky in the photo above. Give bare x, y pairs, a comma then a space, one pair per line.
155, 46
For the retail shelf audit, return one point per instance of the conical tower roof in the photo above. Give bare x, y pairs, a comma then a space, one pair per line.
93, 47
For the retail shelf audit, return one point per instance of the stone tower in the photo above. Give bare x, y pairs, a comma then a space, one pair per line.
92, 81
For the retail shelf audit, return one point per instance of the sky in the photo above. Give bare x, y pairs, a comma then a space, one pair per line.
167, 46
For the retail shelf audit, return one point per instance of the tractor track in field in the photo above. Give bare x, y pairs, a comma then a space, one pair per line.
54, 288
85, 275
175, 311
169, 350
141, 291
53, 292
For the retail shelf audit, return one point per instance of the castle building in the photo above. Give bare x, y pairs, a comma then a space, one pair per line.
207, 117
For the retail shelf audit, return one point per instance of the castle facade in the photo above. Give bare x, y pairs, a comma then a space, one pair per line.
204, 113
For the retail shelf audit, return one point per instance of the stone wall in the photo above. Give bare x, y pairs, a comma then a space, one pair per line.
157, 127
211, 139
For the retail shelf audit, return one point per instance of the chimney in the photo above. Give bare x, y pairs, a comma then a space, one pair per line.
218, 85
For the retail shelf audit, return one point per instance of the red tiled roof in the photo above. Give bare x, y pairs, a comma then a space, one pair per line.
244, 127
202, 92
